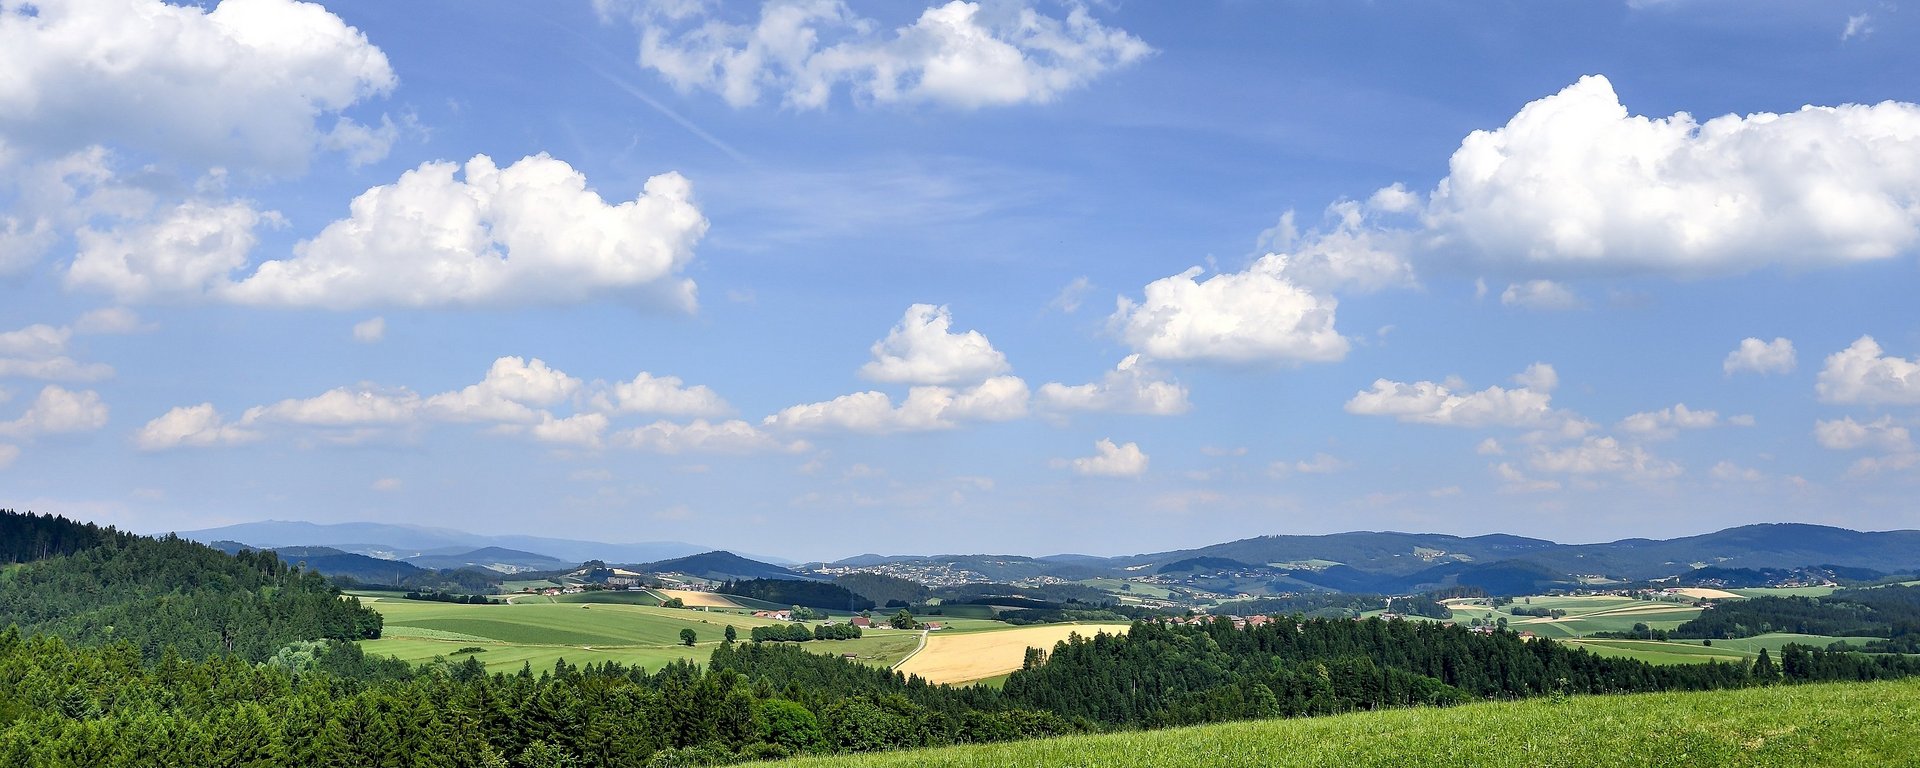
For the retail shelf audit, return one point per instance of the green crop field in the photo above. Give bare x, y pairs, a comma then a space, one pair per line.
1657, 652
583, 632
1836, 724
1784, 591
1134, 588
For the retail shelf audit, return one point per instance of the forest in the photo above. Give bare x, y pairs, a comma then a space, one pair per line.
168, 592
1889, 613
812, 594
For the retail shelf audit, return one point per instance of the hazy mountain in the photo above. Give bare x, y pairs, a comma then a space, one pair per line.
404, 541
498, 559
334, 562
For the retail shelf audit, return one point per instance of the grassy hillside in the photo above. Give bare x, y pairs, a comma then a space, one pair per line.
1843, 724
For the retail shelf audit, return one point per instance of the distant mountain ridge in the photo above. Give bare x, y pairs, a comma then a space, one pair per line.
396, 542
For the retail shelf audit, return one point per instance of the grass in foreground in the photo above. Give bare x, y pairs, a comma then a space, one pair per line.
1836, 724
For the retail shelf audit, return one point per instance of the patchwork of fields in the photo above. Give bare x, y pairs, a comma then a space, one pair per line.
542, 633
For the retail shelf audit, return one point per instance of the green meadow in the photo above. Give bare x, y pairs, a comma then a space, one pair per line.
585, 632
1835, 724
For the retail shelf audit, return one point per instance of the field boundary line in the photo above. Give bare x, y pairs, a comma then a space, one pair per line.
916, 651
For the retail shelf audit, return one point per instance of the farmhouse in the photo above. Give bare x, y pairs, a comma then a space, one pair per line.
861, 622
776, 615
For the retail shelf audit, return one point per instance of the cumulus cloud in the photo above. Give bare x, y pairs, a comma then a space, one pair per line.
1541, 294
242, 84
1002, 398
530, 233
511, 390
1110, 460
1756, 356
58, 411
1131, 387
1667, 422
1346, 254
195, 425
1603, 456
1320, 464
664, 395
340, 407
1258, 315
923, 349
1069, 298
1845, 434
180, 254
516, 397
1862, 374
39, 351
701, 436
962, 54
1425, 402
1575, 184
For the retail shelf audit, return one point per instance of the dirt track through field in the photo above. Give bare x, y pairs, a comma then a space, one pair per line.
979, 655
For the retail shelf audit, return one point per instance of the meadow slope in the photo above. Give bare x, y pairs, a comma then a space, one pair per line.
1833, 724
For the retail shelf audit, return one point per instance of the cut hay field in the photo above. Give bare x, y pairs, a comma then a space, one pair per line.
1835, 724
696, 599
1585, 614
968, 656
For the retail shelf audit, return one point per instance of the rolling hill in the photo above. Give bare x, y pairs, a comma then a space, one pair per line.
723, 566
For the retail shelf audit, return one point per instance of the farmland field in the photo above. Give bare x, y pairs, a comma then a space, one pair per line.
696, 599
1835, 724
540, 633
969, 656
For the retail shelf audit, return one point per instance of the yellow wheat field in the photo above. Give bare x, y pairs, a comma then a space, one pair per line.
972, 656
1708, 594
694, 599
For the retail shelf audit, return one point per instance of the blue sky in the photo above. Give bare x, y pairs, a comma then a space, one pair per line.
818, 278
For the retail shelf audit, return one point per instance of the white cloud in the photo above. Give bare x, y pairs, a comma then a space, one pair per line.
511, 390
1131, 387
1667, 422
1541, 294
1427, 402
110, 320
1756, 356
1873, 465
922, 349
531, 233
181, 254
241, 84
1846, 435
701, 436
665, 395
340, 407
1490, 447
1069, 298
1857, 26
1574, 184
196, 425
370, 330
1539, 377
1002, 398
1321, 464
1241, 317
1345, 255
961, 54
1862, 375
1110, 460
58, 411
1603, 456
1729, 472
1515, 481
580, 429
